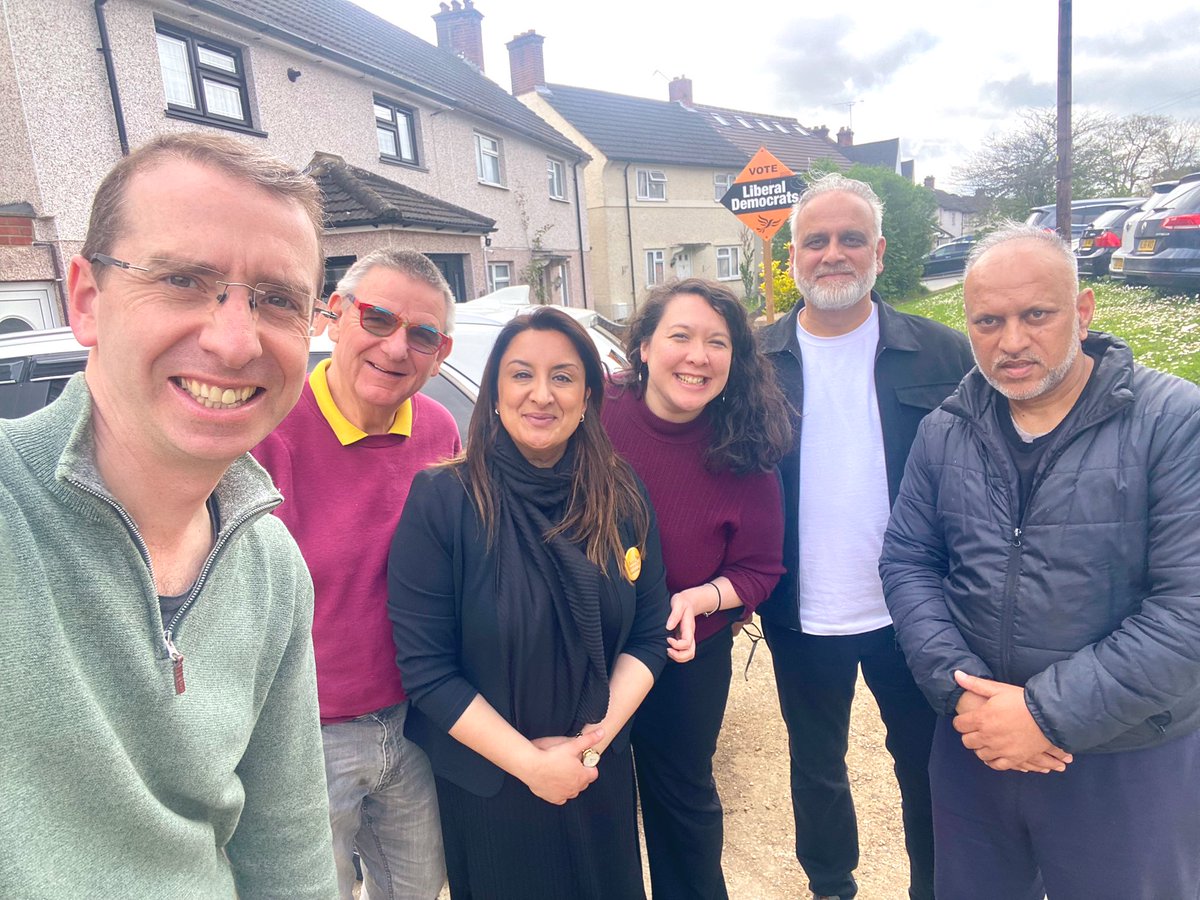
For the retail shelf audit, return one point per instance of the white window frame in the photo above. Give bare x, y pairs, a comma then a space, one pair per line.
556, 178
722, 182
652, 185
496, 281
485, 154
730, 258
656, 267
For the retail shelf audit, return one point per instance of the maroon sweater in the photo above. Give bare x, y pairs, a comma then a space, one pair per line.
711, 523
341, 504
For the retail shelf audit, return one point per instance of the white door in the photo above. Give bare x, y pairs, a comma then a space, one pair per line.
27, 306
683, 265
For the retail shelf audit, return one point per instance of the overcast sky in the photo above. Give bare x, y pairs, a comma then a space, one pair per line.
940, 74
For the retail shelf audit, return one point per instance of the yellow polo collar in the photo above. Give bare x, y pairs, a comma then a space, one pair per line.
345, 430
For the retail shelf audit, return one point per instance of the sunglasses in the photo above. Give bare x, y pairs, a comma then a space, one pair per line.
383, 323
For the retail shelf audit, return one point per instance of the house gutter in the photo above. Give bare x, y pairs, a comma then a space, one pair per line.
106, 49
579, 232
629, 231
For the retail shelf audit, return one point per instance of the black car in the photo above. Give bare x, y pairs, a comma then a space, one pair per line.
948, 259
1166, 250
1101, 239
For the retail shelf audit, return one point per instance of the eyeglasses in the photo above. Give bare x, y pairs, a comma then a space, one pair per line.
383, 323
275, 305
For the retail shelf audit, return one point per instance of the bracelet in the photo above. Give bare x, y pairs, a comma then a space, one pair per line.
718, 606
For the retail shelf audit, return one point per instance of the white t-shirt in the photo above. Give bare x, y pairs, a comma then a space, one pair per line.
843, 484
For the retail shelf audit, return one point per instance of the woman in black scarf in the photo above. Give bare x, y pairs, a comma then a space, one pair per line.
527, 596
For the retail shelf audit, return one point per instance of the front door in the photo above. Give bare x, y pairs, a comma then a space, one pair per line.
26, 306
451, 267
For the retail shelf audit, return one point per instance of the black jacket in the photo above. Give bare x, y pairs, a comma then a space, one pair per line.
918, 365
1092, 600
441, 599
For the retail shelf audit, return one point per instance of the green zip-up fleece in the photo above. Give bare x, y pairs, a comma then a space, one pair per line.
112, 784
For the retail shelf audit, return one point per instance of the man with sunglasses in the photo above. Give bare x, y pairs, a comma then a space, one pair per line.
160, 732
344, 460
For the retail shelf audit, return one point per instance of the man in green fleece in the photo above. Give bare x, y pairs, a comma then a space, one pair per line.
158, 704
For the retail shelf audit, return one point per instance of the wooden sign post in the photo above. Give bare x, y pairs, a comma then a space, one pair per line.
762, 196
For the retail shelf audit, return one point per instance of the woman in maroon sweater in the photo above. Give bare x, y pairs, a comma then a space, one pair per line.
700, 419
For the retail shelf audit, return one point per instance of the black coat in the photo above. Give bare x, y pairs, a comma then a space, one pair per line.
1091, 601
441, 599
919, 363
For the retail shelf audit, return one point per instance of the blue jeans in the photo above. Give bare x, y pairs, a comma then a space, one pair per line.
382, 800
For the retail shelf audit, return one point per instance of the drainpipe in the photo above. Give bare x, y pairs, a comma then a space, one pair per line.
106, 49
629, 229
59, 280
579, 232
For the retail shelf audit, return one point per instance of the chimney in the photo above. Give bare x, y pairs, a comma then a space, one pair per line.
680, 91
525, 62
929, 182
459, 31
821, 131
845, 137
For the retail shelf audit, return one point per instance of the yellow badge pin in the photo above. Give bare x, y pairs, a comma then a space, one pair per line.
633, 563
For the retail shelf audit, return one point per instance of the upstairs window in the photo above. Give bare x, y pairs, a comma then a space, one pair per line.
651, 184
203, 79
556, 179
395, 132
487, 159
722, 182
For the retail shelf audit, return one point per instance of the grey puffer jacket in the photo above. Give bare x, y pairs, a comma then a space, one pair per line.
1092, 601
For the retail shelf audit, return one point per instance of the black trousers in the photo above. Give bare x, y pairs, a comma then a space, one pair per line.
815, 676
674, 739
1113, 825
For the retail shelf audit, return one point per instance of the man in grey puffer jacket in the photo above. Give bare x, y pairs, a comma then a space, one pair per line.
1042, 568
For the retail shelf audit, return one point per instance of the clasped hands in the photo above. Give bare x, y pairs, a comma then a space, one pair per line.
684, 606
996, 724
557, 773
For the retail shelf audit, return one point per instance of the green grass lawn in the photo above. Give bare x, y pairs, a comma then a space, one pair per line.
1164, 332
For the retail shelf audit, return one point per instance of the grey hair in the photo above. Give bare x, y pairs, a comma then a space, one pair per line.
837, 182
1016, 231
415, 265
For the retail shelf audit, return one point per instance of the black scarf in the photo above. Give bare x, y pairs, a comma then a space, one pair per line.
547, 598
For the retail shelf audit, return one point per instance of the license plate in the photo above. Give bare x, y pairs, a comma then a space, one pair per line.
1086, 244
1146, 245
1117, 265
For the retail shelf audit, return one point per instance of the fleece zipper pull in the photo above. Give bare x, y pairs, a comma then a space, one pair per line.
176, 662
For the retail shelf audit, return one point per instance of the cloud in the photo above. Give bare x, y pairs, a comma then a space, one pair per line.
819, 61
1135, 40
1016, 93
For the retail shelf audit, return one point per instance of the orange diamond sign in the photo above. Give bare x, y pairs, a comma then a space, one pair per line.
763, 194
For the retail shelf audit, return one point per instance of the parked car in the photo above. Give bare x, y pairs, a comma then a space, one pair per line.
35, 365
1083, 213
1158, 192
948, 259
1166, 252
1101, 239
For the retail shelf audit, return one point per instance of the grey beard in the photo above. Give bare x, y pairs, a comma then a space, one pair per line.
838, 296
1052, 379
